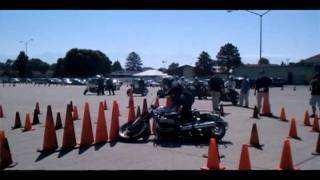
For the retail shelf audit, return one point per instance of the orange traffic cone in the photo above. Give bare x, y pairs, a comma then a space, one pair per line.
58, 121
101, 129
266, 107
283, 115
315, 126
86, 134
117, 108
306, 120
213, 162
105, 107
244, 158
27, 125
254, 138
293, 130
131, 113
35, 119
114, 128
221, 110
69, 137
17, 122
168, 101
138, 114
156, 104
286, 162
255, 113
75, 113
5, 154
50, 142
37, 108
1, 112
317, 152
144, 106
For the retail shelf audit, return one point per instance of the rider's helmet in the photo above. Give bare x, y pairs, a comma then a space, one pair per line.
167, 83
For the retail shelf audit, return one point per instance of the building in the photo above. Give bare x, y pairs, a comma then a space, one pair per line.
185, 70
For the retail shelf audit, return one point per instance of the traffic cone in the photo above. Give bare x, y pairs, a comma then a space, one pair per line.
130, 102
17, 122
144, 106
254, 138
105, 107
213, 162
244, 158
293, 130
168, 101
286, 162
255, 113
131, 113
283, 115
101, 129
86, 134
27, 125
58, 121
1, 112
75, 115
156, 104
306, 120
317, 152
114, 127
5, 154
37, 108
117, 109
221, 110
35, 118
69, 137
315, 126
138, 114
266, 111
50, 142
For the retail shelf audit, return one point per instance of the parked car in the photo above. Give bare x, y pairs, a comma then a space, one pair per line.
278, 82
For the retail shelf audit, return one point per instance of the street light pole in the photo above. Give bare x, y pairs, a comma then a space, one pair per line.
26, 44
260, 15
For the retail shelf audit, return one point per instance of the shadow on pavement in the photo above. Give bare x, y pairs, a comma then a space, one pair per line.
43, 155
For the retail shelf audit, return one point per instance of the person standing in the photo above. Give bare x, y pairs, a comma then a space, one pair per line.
110, 86
215, 88
262, 88
315, 93
244, 92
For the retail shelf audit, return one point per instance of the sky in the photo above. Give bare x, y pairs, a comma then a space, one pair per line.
160, 37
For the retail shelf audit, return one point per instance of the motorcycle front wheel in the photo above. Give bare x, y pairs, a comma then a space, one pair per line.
133, 131
218, 132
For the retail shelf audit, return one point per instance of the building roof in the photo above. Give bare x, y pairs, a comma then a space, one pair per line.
313, 60
151, 72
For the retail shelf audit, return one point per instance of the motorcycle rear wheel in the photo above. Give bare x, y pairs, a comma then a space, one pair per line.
133, 131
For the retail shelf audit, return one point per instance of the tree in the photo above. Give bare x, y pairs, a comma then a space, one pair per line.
204, 65
263, 61
58, 71
133, 62
228, 57
38, 65
173, 66
116, 66
21, 64
164, 70
282, 63
85, 63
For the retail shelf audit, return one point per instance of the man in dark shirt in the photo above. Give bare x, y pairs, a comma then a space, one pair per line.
262, 88
315, 93
215, 87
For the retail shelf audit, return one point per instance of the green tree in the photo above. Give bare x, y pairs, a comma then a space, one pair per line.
21, 64
58, 70
204, 65
133, 62
173, 66
228, 57
263, 61
38, 65
116, 66
85, 62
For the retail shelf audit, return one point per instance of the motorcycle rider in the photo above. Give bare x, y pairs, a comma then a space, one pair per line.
141, 84
100, 82
196, 85
230, 84
180, 96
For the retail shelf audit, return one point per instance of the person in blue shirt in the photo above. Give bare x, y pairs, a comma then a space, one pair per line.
244, 92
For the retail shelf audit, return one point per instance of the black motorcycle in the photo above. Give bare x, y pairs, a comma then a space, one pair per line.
202, 125
230, 95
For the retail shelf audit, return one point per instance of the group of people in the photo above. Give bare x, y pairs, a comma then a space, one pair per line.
101, 86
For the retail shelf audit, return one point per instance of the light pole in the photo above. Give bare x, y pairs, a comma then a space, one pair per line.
260, 15
26, 44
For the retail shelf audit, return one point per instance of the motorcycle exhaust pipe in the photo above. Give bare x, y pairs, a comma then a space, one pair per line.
197, 126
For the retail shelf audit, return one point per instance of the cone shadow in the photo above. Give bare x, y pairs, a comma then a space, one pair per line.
98, 146
260, 147
296, 138
83, 149
113, 143
64, 151
43, 155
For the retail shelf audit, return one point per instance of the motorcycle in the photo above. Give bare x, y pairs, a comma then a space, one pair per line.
136, 89
231, 95
202, 125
